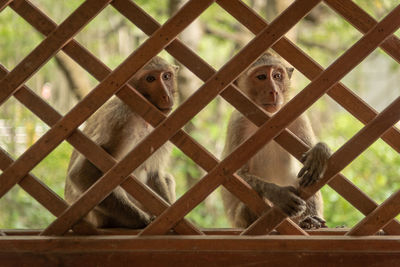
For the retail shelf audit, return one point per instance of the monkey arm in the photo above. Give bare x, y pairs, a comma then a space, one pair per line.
286, 198
314, 160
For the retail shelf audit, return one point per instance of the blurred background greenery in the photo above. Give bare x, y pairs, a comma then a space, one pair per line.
216, 37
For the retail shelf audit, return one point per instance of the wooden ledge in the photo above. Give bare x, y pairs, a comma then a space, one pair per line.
173, 250
207, 231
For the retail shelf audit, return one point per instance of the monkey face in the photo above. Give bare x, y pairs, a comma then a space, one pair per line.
267, 85
158, 86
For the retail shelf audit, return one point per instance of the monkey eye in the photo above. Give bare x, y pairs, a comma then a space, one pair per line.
277, 76
150, 78
167, 76
262, 77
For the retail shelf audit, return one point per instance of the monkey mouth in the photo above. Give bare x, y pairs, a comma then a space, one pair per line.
165, 110
271, 107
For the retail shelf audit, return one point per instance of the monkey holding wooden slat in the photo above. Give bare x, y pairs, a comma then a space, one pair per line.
273, 173
117, 129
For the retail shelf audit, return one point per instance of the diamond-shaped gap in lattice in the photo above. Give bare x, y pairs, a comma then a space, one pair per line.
21, 39
21, 211
377, 9
19, 127
333, 35
52, 170
376, 79
208, 127
159, 10
223, 36
57, 11
210, 212
111, 37
61, 82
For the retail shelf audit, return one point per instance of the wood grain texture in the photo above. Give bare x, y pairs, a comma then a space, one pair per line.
209, 251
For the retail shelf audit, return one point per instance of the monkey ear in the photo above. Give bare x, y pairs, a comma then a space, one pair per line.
290, 72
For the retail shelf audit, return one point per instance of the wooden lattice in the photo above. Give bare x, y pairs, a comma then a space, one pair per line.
324, 81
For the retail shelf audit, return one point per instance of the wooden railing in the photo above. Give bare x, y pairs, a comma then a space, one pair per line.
268, 35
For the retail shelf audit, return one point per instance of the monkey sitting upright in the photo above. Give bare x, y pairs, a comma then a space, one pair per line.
273, 172
117, 129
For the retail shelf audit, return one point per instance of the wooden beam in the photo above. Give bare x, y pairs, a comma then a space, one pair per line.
377, 219
189, 251
4, 4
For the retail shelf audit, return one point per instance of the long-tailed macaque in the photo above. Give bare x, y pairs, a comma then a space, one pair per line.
117, 129
273, 172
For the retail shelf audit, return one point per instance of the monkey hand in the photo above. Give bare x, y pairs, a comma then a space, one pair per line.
287, 199
315, 162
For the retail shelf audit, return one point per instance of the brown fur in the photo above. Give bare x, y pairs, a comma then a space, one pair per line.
272, 172
117, 129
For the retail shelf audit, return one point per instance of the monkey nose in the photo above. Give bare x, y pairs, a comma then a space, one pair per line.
274, 95
166, 99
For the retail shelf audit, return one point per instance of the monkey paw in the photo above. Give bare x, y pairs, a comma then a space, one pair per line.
289, 201
315, 162
312, 222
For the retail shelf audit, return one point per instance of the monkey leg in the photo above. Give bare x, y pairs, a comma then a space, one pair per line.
164, 185
312, 218
243, 216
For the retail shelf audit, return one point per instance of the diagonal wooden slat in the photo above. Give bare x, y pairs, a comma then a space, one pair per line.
98, 157
181, 115
364, 22
4, 4
49, 46
141, 106
306, 65
339, 92
377, 219
100, 94
338, 161
282, 119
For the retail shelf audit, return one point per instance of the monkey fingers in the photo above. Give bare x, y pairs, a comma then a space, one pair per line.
312, 222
